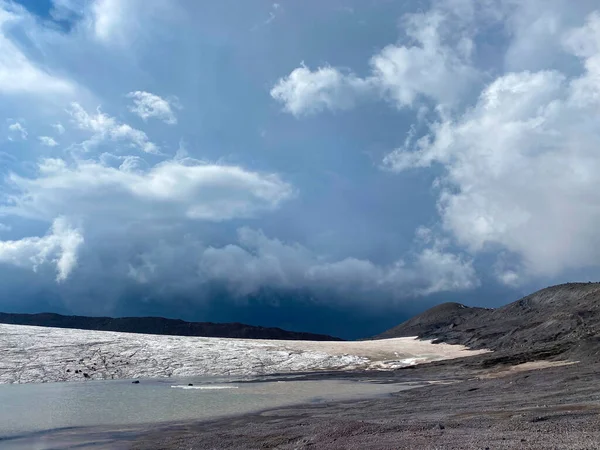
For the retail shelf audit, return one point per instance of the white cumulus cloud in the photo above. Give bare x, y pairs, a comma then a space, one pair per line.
436, 68
60, 129
436, 65
522, 165
59, 248
147, 105
170, 191
106, 127
17, 129
304, 91
48, 141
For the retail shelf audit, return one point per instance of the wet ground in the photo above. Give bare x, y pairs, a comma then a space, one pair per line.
531, 407
105, 414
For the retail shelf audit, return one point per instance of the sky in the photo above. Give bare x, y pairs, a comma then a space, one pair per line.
332, 167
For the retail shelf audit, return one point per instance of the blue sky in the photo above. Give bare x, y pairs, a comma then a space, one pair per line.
327, 166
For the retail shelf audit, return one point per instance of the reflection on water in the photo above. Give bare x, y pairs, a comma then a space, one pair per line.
33, 408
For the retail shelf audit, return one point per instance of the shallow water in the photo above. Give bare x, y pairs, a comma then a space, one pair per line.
34, 408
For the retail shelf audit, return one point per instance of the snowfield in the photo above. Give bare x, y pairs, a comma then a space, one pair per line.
40, 354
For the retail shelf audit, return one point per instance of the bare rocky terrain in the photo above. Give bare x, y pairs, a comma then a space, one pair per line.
563, 319
532, 408
537, 390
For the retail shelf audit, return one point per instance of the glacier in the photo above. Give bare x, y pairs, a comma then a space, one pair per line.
40, 354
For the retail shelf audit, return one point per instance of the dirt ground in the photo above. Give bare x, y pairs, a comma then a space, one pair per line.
483, 402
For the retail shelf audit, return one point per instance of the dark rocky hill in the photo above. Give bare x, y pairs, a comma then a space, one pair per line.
442, 317
559, 319
159, 325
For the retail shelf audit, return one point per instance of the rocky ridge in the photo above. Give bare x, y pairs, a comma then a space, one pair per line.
562, 319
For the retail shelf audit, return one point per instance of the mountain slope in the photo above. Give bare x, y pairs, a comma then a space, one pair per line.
440, 318
566, 316
160, 325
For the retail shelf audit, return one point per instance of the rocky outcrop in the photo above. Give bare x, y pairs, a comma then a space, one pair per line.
563, 319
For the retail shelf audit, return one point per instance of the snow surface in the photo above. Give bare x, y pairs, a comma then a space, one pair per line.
205, 388
40, 354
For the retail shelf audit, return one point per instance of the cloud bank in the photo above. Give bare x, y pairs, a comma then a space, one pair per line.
520, 160
199, 156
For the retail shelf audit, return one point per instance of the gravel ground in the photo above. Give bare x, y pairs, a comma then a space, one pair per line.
491, 405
